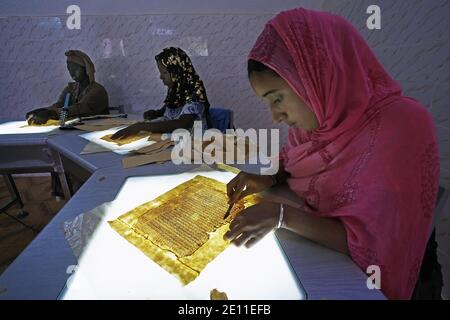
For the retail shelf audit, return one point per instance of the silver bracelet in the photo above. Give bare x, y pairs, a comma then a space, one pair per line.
280, 219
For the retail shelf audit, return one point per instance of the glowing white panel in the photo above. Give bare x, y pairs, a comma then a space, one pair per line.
112, 268
123, 149
14, 127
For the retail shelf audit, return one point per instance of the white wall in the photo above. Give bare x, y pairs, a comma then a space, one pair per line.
122, 38
100, 7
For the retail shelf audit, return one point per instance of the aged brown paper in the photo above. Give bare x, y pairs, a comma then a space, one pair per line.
126, 140
182, 230
50, 122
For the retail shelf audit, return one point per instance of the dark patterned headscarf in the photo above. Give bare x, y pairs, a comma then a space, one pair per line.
187, 85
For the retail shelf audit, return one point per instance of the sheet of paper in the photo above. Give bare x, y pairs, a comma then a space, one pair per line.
126, 140
93, 148
96, 137
157, 146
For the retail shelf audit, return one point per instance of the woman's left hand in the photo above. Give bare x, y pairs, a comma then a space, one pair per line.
252, 224
132, 130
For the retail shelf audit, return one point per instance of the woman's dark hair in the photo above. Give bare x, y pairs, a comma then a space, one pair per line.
256, 66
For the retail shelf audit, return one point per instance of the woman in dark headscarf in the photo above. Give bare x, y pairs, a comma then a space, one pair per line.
186, 99
85, 96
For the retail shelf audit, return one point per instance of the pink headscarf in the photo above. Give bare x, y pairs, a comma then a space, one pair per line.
373, 162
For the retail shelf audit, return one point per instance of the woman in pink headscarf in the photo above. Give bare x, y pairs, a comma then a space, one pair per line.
362, 156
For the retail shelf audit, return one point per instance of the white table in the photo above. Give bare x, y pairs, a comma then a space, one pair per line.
42, 270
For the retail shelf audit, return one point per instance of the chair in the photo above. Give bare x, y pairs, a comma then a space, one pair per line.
221, 119
16, 199
442, 197
429, 283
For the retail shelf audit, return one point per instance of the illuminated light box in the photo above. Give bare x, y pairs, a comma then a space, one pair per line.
22, 127
96, 137
112, 268
183, 229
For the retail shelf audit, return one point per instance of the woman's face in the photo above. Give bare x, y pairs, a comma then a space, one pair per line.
286, 106
164, 75
77, 72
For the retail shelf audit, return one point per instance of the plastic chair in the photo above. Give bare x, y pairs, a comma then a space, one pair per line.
221, 119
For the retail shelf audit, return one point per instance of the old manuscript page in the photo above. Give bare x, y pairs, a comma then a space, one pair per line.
182, 230
127, 140
50, 122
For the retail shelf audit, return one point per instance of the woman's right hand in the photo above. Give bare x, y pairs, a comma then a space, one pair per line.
247, 183
30, 115
39, 116
131, 130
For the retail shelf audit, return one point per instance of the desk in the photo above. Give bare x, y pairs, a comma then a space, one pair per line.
66, 150
26, 151
41, 271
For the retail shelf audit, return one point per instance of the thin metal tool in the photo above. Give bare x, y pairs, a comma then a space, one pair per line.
231, 205
228, 211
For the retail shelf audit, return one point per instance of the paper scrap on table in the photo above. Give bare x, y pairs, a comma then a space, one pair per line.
78, 232
92, 147
142, 159
217, 295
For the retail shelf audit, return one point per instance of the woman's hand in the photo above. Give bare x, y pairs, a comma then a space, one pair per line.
252, 224
246, 183
39, 116
29, 115
132, 130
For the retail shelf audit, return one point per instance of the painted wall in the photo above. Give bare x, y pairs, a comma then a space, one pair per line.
122, 39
